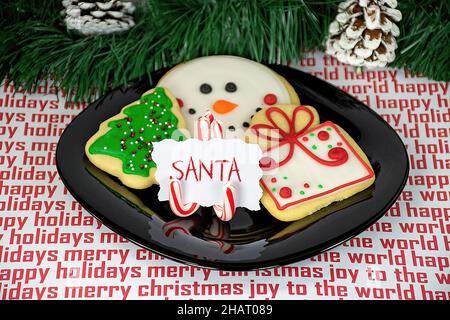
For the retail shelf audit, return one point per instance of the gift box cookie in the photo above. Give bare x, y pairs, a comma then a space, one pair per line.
306, 165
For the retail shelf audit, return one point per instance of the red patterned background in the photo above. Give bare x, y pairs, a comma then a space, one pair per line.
51, 248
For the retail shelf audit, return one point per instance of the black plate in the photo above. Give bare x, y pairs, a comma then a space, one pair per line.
252, 239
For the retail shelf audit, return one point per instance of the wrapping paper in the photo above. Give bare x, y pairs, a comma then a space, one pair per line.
51, 248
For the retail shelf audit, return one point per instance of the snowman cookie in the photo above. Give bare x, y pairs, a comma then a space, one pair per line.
123, 145
232, 88
306, 165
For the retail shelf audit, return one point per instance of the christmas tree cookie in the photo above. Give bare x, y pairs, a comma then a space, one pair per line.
123, 144
306, 165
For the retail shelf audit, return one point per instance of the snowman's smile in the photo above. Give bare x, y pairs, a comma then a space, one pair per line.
223, 106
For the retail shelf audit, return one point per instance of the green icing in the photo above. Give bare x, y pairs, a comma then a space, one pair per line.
131, 138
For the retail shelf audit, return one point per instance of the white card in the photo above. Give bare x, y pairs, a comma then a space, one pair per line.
204, 167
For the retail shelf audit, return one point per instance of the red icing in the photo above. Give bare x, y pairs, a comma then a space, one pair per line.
323, 135
270, 99
306, 185
180, 102
267, 163
285, 192
338, 154
290, 137
274, 180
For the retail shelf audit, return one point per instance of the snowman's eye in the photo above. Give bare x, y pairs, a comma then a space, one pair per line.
205, 88
230, 87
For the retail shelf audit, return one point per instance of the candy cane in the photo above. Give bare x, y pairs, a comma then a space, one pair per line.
225, 211
176, 203
208, 127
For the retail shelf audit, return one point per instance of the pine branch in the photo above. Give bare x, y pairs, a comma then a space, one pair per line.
36, 44
424, 39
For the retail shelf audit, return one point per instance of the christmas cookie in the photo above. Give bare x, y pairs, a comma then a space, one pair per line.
306, 165
123, 144
233, 88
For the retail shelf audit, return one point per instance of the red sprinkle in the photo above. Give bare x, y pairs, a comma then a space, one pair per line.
180, 102
338, 153
270, 99
273, 180
118, 125
266, 163
285, 192
305, 139
133, 134
306, 185
323, 135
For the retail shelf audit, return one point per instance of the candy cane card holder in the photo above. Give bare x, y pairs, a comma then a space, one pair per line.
209, 171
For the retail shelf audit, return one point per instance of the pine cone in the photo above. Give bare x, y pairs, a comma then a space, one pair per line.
363, 33
98, 17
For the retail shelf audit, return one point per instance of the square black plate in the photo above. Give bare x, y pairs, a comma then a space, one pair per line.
252, 239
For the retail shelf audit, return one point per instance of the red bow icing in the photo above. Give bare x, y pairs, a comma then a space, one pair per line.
291, 137
269, 133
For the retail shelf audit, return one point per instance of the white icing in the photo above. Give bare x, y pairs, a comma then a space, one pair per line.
302, 169
253, 81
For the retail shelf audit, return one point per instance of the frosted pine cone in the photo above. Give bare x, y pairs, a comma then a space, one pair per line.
98, 17
363, 33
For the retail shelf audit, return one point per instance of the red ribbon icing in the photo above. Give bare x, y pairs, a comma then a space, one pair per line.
292, 137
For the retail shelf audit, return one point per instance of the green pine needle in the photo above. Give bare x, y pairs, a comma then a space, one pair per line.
36, 44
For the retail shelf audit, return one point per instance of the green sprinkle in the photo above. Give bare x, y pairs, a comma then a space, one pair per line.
274, 189
285, 178
320, 186
302, 192
312, 134
314, 147
328, 129
330, 146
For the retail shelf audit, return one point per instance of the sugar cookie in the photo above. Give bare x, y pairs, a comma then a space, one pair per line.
123, 144
306, 165
233, 88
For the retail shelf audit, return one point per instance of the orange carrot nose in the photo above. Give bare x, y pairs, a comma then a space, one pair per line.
223, 106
